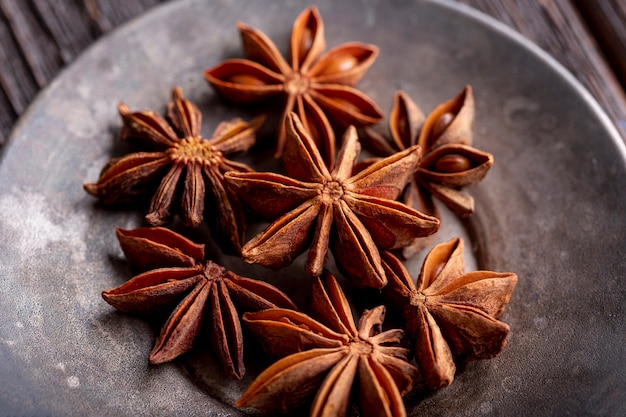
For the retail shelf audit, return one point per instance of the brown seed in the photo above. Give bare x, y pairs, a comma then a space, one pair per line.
306, 41
451, 163
245, 79
441, 124
437, 270
340, 63
346, 105
404, 129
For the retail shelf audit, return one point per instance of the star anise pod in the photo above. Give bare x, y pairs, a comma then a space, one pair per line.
185, 163
450, 163
318, 87
202, 291
318, 207
329, 357
450, 314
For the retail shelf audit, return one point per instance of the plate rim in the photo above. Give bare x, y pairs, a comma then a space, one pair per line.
456, 7
465, 10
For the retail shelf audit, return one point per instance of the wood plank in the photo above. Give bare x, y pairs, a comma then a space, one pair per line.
607, 20
68, 24
38, 40
557, 27
30, 36
112, 13
16, 77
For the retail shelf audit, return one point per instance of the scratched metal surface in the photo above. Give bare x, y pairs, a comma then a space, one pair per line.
551, 210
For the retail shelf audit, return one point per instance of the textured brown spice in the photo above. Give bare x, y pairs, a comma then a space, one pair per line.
317, 87
449, 314
332, 359
316, 208
202, 291
184, 165
364, 213
449, 163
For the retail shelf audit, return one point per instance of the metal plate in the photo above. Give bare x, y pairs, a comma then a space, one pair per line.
553, 210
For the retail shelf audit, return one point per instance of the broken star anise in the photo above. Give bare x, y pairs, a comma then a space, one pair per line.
185, 163
317, 207
450, 163
201, 290
450, 314
317, 87
332, 357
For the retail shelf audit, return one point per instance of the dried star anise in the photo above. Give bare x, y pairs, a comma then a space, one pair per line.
317, 87
201, 290
330, 358
449, 163
354, 214
185, 163
450, 314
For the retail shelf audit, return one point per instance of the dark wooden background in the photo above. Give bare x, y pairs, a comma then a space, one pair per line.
40, 37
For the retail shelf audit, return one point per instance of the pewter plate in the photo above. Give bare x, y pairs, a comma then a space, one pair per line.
553, 210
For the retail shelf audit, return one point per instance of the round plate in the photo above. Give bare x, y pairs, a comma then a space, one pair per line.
552, 210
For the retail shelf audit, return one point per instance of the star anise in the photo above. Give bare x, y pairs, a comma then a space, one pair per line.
185, 163
316, 87
450, 314
450, 163
330, 357
202, 291
317, 207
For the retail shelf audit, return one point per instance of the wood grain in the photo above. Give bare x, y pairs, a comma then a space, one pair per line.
557, 27
38, 38
607, 21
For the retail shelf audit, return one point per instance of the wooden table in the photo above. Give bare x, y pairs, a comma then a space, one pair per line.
38, 38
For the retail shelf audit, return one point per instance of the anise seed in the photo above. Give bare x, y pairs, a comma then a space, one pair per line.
346, 105
340, 64
245, 79
437, 270
452, 163
306, 41
404, 130
441, 124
